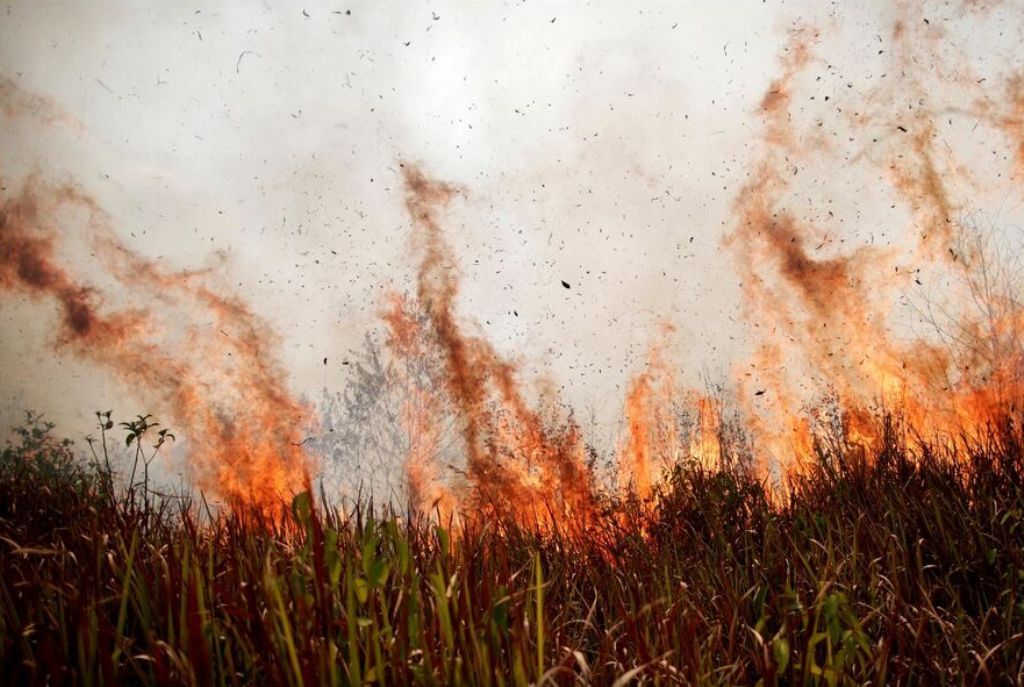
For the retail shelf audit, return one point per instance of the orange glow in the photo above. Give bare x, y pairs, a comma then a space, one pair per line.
824, 358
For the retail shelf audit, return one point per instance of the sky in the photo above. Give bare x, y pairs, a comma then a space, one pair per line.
602, 144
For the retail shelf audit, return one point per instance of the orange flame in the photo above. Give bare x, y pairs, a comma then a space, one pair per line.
824, 321
652, 444
518, 464
422, 415
824, 350
221, 383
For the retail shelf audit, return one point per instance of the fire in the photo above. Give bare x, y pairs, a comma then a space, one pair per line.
705, 444
218, 378
656, 437
519, 463
522, 463
422, 412
825, 321
824, 354
652, 443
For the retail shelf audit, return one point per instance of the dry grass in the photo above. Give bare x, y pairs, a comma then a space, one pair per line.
905, 569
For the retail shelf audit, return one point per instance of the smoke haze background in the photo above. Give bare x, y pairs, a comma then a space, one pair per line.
601, 144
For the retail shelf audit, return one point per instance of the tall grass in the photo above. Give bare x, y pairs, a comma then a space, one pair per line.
903, 569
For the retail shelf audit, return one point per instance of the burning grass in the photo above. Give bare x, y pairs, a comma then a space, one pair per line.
796, 534
902, 569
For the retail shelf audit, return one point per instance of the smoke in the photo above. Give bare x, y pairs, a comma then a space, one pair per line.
16, 102
921, 129
821, 319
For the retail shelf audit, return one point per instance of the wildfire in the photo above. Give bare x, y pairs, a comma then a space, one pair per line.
828, 318
651, 444
823, 352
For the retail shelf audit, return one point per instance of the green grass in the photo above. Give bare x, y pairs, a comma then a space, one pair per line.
906, 569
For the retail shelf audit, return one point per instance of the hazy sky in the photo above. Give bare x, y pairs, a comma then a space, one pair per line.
599, 143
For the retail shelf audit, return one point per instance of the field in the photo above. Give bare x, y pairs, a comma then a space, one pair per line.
903, 567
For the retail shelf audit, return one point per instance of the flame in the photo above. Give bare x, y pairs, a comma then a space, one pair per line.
219, 380
652, 444
656, 439
824, 352
422, 413
705, 443
823, 322
519, 463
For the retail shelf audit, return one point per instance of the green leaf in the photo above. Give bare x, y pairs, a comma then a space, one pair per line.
332, 557
833, 602
302, 507
780, 650
377, 573
443, 538
499, 612
362, 588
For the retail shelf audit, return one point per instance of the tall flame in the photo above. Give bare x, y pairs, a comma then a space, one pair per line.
823, 346
519, 464
219, 379
651, 444
824, 322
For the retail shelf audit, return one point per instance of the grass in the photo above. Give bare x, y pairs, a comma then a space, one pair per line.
904, 569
